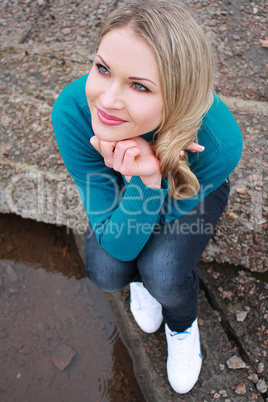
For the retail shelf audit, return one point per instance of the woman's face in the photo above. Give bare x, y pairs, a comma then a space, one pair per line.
123, 89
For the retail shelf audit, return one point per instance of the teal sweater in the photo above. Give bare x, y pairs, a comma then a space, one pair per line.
123, 214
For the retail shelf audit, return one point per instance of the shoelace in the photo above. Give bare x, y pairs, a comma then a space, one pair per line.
181, 334
181, 348
146, 301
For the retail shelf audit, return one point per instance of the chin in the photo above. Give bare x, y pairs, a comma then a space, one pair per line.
106, 133
99, 132
104, 136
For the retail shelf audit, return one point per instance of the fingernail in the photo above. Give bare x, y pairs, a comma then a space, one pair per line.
201, 147
181, 153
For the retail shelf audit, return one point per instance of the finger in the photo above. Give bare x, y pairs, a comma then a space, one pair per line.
147, 148
107, 148
128, 178
129, 166
107, 151
123, 145
119, 152
193, 147
95, 142
181, 154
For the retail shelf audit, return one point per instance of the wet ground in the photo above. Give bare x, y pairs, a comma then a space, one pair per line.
59, 340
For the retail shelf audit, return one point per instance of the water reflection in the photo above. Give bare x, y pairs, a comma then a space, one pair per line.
59, 340
53, 344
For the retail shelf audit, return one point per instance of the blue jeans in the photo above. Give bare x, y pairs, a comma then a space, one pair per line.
167, 263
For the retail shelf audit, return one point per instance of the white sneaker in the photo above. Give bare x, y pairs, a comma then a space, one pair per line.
145, 309
184, 358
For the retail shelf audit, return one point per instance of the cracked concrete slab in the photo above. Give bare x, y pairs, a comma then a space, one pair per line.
34, 182
33, 74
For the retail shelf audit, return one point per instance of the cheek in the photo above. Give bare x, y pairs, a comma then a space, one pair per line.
91, 87
150, 115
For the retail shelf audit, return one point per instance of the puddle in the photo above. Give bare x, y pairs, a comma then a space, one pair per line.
58, 337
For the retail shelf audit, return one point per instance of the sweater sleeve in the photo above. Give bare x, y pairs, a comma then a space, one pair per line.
122, 215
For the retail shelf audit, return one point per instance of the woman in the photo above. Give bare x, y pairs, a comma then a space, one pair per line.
128, 133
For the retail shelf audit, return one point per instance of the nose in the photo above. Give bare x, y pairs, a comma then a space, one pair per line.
112, 97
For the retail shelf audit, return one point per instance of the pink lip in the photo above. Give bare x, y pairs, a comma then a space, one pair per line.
109, 119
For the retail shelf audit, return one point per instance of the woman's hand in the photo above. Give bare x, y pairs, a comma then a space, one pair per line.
193, 147
133, 157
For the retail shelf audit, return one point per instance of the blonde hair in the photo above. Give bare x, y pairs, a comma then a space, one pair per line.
186, 64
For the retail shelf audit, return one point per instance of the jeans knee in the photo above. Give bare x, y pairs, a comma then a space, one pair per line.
173, 288
102, 283
104, 279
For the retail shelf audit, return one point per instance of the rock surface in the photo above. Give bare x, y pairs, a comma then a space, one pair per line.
62, 356
39, 59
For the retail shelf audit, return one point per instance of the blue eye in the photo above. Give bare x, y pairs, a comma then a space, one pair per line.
102, 69
140, 87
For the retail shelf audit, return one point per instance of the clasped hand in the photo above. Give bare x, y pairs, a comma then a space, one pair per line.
134, 157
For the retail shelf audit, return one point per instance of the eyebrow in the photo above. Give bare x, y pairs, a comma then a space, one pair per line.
106, 64
141, 79
130, 78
